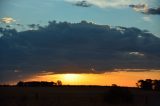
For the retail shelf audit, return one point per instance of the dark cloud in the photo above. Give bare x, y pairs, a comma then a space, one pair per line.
20, 25
76, 48
139, 6
153, 11
143, 8
82, 4
33, 25
8, 26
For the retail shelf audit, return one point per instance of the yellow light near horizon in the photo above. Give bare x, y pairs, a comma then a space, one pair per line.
121, 78
70, 77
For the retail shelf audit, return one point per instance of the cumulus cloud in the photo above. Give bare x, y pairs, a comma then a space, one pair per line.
7, 20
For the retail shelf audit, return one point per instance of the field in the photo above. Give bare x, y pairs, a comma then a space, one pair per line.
75, 96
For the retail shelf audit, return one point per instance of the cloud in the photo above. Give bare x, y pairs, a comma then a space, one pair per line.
110, 3
143, 8
82, 4
139, 7
136, 54
33, 26
17, 71
76, 48
152, 11
101, 3
7, 20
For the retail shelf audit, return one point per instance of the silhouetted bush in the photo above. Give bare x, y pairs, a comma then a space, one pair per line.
149, 84
117, 95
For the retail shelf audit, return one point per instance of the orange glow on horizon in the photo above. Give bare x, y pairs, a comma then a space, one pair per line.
121, 78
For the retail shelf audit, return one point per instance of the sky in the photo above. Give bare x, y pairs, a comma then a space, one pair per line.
121, 78
109, 12
39, 54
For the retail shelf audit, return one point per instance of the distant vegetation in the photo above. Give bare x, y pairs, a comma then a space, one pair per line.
38, 84
149, 84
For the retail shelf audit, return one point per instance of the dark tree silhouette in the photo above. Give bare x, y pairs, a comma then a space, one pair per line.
36, 84
149, 84
20, 84
145, 84
156, 85
59, 82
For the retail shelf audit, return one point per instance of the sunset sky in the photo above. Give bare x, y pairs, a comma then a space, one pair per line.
111, 36
121, 78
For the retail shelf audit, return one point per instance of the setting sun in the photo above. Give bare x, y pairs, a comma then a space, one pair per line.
71, 77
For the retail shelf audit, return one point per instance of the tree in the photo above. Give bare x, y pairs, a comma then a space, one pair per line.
156, 85
145, 84
36, 84
20, 84
59, 82
149, 84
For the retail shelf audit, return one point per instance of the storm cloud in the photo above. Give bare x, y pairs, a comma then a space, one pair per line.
76, 48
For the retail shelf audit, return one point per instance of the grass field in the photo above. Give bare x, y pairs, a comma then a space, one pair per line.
73, 96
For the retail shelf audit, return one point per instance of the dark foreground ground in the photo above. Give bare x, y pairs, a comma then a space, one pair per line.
77, 96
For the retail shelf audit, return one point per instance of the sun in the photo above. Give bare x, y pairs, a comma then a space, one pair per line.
70, 77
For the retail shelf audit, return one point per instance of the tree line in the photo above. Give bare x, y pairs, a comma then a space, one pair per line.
38, 84
149, 84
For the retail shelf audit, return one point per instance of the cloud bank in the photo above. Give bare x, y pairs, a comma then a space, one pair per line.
75, 48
